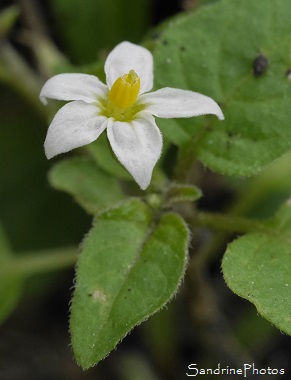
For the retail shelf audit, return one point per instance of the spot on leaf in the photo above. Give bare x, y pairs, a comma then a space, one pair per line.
260, 65
98, 295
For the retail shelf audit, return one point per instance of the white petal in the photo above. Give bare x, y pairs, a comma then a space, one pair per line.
76, 124
137, 145
172, 102
73, 87
127, 56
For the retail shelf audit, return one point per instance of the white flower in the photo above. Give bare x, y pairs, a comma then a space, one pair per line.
123, 107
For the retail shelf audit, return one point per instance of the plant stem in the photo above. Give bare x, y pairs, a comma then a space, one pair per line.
17, 74
44, 261
229, 223
186, 158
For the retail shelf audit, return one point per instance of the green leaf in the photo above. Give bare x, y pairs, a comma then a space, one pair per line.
257, 267
5, 249
210, 52
89, 26
180, 193
10, 293
128, 269
10, 283
92, 188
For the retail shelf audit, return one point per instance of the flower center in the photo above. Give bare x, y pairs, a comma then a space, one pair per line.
121, 103
125, 89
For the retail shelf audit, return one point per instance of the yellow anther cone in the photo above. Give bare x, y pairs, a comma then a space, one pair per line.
125, 89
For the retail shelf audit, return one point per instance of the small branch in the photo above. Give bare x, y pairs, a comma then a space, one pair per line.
230, 223
17, 74
49, 58
43, 261
183, 171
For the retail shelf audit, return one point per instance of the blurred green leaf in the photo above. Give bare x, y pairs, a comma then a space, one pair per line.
257, 267
135, 366
128, 269
10, 293
250, 324
92, 188
10, 282
8, 18
35, 216
4, 244
89, 25
210, 51
263, 195
180, 193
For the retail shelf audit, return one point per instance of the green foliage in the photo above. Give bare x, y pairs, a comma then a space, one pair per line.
128, 269
10, 281
261, 196
89, 25
258, 267
180, 193
8, 18
27, 203
92, 188
133, 259
209, 51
